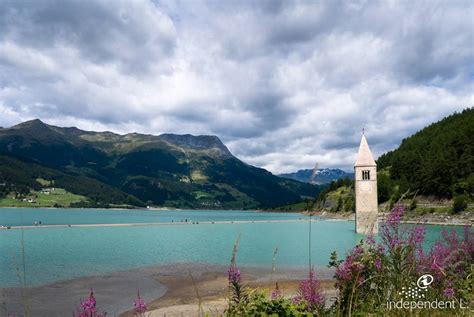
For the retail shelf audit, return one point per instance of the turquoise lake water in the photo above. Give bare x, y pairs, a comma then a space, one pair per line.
49, 216
53, 254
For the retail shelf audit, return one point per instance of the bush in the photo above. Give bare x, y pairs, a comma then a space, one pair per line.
459, 203
413, 205
244, 301
384, 187
339, 204
372, 274
470, 185
348, 204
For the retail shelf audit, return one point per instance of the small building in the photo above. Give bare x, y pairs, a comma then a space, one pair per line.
365, 178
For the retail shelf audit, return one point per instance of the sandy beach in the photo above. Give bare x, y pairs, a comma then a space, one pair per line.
183, 300
208, 291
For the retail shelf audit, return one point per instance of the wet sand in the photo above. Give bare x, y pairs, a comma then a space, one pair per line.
209, 293
166, 289
114, 292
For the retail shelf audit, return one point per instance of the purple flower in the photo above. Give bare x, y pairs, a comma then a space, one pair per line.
344, 270
395, 216
139, 305
448, 292
276, 293
358, 250
90, 303
378, 264
88, 308
370, 239
233, 274
236, 288
417, 236
311, 293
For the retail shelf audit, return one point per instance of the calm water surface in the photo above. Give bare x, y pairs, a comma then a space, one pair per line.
50, 216
53, 254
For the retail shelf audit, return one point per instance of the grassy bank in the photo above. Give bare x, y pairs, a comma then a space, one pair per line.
56, 197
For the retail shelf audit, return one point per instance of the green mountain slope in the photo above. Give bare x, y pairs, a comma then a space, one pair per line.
438, 160
136, 169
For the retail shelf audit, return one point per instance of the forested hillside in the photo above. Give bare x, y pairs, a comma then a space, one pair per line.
438, 160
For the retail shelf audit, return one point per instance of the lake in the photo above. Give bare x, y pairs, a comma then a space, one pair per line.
58, 253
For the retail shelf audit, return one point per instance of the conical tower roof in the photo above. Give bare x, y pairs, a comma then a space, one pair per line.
364, 157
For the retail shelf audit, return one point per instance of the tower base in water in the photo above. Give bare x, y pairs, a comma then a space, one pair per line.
366, 222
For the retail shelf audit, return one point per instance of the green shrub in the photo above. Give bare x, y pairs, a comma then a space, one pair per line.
339, 204
459, 203
348, 204
384, 187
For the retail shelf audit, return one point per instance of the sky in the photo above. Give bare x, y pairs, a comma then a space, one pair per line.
284, 84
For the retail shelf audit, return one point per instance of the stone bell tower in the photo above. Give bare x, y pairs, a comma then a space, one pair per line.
365, 178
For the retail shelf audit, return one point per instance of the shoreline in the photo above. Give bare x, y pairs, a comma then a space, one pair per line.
466, 219
149, 224
163, 287
186, 295
452, 222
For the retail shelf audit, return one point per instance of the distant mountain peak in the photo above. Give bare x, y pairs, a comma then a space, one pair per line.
35, 123
323, 175
210, 142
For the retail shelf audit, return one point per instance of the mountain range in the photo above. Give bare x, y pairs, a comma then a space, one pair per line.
110, 169
323, 175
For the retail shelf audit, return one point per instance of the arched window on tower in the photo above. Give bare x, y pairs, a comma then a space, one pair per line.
365, 175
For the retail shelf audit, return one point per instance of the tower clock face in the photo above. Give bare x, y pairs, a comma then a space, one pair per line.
365, 186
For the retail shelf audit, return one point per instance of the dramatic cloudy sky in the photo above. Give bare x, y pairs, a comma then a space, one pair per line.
284, 84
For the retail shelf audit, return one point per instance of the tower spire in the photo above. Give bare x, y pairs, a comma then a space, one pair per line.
364, 157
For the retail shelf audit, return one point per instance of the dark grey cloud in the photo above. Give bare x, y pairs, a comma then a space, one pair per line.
100, 31
283, 83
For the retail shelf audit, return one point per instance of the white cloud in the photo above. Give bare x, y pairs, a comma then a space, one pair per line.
284, 84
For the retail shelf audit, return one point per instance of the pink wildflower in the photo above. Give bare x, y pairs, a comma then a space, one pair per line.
139, 305
311, 293
233, 274
378, 264
448, 292
276, 293
88, 308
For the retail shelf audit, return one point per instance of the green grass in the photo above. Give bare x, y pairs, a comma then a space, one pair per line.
301, 206
198, 176
58, 197
342, 191
200, 194
43, 182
